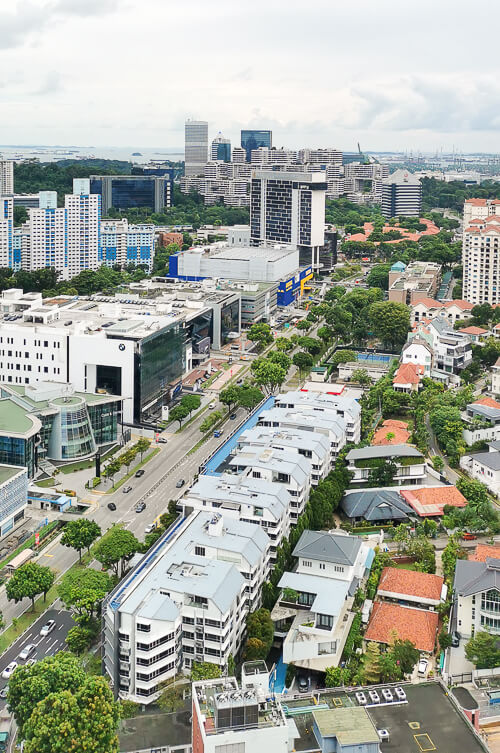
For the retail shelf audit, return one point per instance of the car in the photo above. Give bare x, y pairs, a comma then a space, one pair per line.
30, 662
374, 696
27, 651
361, 698
217, 433
150, 528
9, 670
303, 684
180, 483
455, 639
211, 405
240, 381
400, 694
387, 694
422, 667
469, 536
140, 507
139, 473
111, 506
48, 627
163, 440
127, 489
3, 692
383, 734
232, 416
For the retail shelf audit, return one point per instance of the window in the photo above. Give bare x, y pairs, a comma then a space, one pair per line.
322, 566
200, 551
307, 563
339, 569
143, 628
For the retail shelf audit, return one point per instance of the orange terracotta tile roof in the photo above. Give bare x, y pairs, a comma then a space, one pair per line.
473, 330
429, 303
484, 551
431, 501
488, 402
408, 373
416, 625
472, 230
398, 428
490, 229
476, 202
420, 585
393, 423
477, 222
460, 303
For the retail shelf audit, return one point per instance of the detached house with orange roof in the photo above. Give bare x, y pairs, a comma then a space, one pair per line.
449, 311
393, 621
411, 589
429, 502
481, 421
408, 377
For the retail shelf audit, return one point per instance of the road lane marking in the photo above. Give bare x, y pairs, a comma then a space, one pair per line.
60, 627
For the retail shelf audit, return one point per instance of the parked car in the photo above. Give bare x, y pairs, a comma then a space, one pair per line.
30, 662
211, 405
48, 627
383, 734
387, 694
111, 506
422, 667
400, 694
127, 489
27, 651
374, 696
140, 473
163, 440
469, 536
3, 692
217, 433
303, 683
232, 416
361, 698
180, 483
455, 639
9, 670
140, 507
150, 528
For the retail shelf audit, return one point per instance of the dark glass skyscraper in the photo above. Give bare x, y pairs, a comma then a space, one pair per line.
128, 191
253, 139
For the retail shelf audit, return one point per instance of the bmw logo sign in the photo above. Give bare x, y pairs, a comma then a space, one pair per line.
121, 346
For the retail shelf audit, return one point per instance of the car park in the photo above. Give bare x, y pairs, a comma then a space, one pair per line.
140, 507
9, 670
127, 489
374, 696
361, 698
27, 651
48, 627
111, 506
180, 483
455, 639
422, 667
387, 694
140, 473
400, 694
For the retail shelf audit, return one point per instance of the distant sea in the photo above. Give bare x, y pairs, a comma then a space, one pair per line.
139, 155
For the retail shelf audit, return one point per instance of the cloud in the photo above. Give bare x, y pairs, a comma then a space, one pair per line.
85, 7
52, 83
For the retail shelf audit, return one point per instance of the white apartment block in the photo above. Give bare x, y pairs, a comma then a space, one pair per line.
6, 230
244, 498
48, 235
123, 244
83, 211
480, 209
196, 146
185, 601
335, 406
485, 466
480, 259
6, 177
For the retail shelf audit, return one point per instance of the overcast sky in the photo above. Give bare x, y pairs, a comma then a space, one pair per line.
391, 74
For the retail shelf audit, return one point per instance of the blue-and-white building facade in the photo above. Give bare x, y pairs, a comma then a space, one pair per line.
13, 496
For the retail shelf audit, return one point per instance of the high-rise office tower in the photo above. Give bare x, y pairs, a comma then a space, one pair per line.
129, 191
48, 242
83, 228
401, 195
221, 149
196, 147
6, 177
6, 230
251, 139
288, 207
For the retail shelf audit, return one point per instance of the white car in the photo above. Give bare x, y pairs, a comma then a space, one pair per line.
9, 670
387, 694
27, 651
422, 667
400, 694
374, 696
48, 627
211, 405
30, 662
361, 698
383, 734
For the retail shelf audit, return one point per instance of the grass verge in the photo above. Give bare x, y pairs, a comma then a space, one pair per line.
133, 470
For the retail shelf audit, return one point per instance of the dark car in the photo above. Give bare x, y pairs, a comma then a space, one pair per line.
180, 483
140, 473
111, 506
455, 639
140, 507
303, 684
232, 416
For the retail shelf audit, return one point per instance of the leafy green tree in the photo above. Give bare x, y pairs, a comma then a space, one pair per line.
343, 356
142, 445
128, 457
88, 718
260, 625
28, 581
171, 698
283, 344
383, 474
325, 334
261, 334
112, 468
116, 548
303, 361
255, 649
362, 377
405, 654
337, 676
372, 666
452, 551
390, 321
444, 640
340, 320
179, 413
83, 590
268, 375
249, 396
280, 358
482, 650
205, 671
229, 397
80, 534
390, 670
379, 276
304, 325
191, 402
210, 421
78, 639
311, 344
437, 462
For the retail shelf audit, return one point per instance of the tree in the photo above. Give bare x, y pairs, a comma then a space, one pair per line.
371, 663
280, 358
261, 334
83, 590
449, 556
80, 534
362, 377
179, 413
29, 685
325, 334
29, 580
205, 671
142, 445
112, 469
437, 463
343, 356
379, 276
405, 654
482, 650
340, 320
390, 321
255, 649
191, 402
283, 344
249, 396
390, 671
444, 640
84, 720
303, 361
229, 397
337, 676
128, 457
172, 698
260, 625
116, 547
268, 375
311, 344
79, 639
383, 474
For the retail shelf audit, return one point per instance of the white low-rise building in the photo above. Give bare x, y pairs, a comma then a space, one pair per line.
485, 466
185, 601
481, 421
452, 348
265, 264
477, 597
410, 463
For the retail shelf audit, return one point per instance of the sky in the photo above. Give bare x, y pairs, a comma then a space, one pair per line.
393, 75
